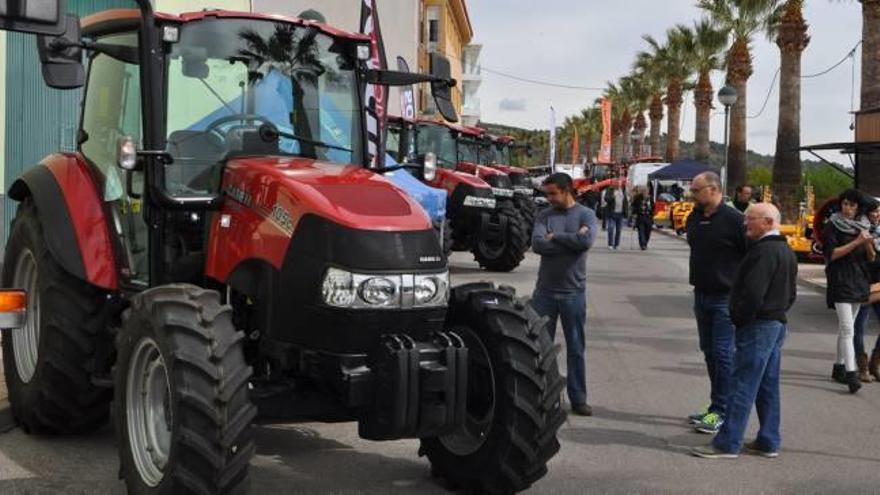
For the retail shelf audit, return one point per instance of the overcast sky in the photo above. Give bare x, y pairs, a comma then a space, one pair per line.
590, 42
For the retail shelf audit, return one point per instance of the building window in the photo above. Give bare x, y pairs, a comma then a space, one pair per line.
433, 28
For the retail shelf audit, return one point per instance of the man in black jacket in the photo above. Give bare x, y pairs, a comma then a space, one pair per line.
763, 291
718, 243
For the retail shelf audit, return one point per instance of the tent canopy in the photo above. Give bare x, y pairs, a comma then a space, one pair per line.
680, 170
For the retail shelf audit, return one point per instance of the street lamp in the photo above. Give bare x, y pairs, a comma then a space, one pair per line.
727, 97
634, 138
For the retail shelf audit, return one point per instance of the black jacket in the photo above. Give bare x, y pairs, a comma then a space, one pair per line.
849, 277
642, 207
765, 286
718, 244
610, 203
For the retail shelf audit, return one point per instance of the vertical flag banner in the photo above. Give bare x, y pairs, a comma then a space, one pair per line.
375, 96
552, 139
575, 146
605, 149
407, 98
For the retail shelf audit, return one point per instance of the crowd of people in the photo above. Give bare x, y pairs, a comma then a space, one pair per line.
744, 277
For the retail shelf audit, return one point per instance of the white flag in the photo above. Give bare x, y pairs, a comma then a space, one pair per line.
552, 140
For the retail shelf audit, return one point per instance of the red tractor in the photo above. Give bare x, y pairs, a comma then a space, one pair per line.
483, 217
217, 250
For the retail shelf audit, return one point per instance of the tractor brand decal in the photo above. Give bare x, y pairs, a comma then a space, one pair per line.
430, 259
240, 195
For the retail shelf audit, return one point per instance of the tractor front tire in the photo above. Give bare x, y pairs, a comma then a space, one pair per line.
528, 210
182, 407
446, 238
507, 250
50, 361
514, 388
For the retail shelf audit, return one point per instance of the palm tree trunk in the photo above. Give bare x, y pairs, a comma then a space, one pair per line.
868, 174
738, 73
588, 148
673, 120
703, 95
792, 41
656, 115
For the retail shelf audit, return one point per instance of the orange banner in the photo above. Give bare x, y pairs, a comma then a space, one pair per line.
605, 149
575, 146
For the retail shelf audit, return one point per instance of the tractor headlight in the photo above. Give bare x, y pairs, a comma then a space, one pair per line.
378, 291
431, 290
430, 166
343, 289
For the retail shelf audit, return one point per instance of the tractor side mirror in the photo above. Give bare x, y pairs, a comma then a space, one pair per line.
441, 87
61, 56
33, 16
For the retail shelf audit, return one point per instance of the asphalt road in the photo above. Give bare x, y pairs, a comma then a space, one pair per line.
645, 375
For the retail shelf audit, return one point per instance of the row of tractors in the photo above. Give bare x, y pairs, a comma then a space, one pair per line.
223, 249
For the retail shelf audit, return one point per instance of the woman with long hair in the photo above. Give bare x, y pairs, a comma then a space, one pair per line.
848, 248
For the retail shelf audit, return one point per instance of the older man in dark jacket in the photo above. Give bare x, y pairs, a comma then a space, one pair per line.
763, 291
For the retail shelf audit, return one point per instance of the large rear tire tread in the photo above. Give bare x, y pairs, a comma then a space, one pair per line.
516, 242
60, 398
528, 410
212, 438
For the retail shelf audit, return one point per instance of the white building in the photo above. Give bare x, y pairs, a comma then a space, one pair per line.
470, 82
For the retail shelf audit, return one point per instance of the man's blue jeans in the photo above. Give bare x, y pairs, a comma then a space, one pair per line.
571, 309
716, 342
862, 322
755, 381
615, 227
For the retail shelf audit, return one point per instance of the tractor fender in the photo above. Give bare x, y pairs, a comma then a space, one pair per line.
72, 216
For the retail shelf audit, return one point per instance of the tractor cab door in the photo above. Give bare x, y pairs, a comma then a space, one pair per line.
111, 110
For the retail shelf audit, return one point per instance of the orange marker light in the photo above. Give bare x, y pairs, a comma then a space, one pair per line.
13, 301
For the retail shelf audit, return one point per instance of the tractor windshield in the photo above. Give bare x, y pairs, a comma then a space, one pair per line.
501, 154
440, 141
470, 150
244, 87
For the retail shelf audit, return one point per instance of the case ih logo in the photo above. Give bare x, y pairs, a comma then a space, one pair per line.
240, 195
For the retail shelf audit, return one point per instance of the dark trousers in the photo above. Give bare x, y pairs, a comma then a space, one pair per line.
755, 381
862, 322
717, 343
644, 226
615, 227
571, 309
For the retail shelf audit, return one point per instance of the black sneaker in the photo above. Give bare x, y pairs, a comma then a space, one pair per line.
582, 410
757, 449
853, 382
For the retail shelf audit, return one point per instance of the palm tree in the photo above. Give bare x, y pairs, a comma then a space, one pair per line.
792, 39
672, 59
704, 43
653, 81
742, 19
869, 164
637, 96
592, 125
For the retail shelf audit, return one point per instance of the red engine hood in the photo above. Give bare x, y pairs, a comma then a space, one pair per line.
450, 179
349, 195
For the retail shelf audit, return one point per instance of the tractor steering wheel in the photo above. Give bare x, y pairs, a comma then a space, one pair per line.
238, 117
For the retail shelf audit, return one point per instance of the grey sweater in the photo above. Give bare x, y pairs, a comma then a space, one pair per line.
564, 258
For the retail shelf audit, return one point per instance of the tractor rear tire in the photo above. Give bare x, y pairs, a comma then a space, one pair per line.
514, 396
182, 408
506, 253
50, 361
527, 210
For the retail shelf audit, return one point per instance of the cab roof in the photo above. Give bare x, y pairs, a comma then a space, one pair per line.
115, 20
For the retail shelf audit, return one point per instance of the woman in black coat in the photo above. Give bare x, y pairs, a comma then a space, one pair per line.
849, 249
643, 211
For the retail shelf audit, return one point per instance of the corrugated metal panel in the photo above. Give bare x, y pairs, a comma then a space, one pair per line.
39, 120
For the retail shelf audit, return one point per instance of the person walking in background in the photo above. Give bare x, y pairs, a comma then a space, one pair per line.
763, 291
643, 210
563, 234
615, 212
869, 367
848, 249
716, 235
742, 198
